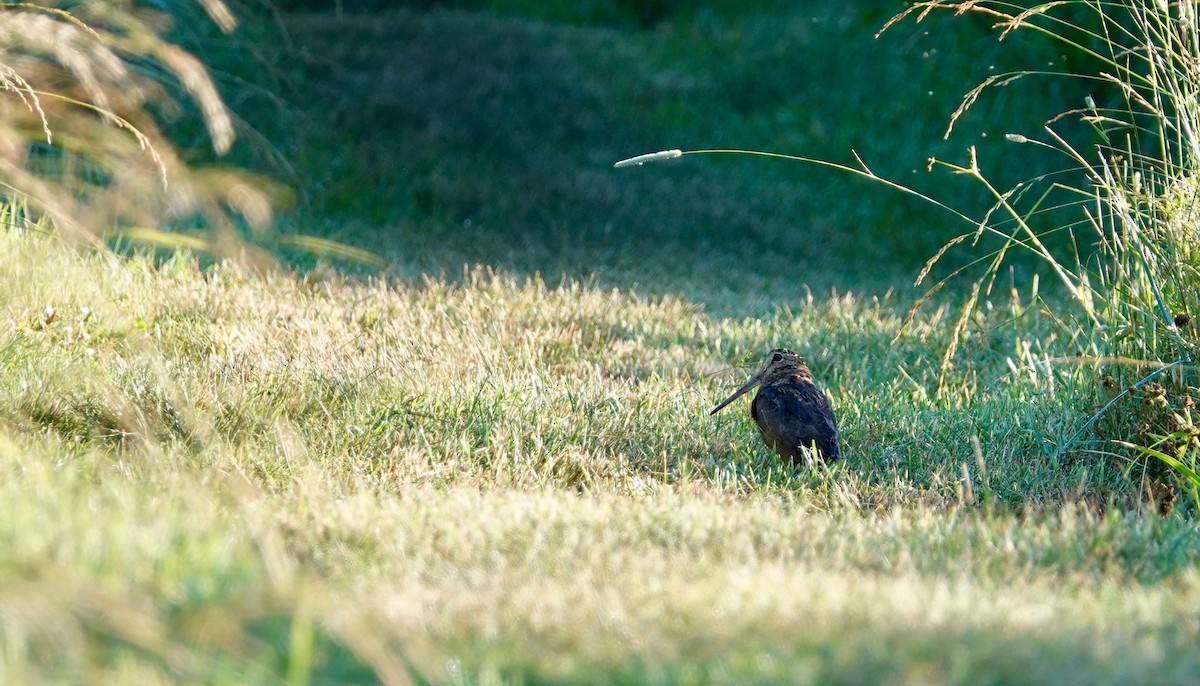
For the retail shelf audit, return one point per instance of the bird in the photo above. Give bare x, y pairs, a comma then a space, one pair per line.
792, 414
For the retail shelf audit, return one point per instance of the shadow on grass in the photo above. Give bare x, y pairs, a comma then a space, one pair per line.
437, 138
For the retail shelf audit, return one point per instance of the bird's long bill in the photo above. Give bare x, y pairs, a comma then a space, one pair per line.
738, 393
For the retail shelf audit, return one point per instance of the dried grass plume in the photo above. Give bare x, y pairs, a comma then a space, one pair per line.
80, 138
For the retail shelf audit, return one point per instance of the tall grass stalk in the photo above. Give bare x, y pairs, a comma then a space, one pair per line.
1136, 275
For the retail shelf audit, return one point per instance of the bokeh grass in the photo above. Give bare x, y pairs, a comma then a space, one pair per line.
89, 89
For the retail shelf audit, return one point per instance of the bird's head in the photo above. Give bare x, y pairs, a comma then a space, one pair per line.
781, 365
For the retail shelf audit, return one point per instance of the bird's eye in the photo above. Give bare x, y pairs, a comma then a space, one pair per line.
776, 357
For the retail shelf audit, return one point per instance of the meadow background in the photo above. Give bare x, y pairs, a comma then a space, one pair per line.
441, 415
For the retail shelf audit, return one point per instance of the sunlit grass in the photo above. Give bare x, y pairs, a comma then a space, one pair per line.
219, 476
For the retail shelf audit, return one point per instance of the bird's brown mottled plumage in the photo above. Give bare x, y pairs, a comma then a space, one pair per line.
792, 414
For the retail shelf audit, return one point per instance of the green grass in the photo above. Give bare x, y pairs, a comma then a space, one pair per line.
217, 477
1130, 268
489, 139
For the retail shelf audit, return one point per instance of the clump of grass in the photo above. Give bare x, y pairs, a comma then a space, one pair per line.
1129, 265
84, 92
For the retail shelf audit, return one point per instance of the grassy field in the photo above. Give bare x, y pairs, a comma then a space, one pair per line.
495, 464
218, 477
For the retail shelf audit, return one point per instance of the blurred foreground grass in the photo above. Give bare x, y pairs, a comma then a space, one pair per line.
215, 477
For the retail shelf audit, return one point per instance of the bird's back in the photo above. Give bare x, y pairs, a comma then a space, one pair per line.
793, 415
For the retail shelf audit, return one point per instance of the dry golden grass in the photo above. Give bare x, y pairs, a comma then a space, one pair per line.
222, 477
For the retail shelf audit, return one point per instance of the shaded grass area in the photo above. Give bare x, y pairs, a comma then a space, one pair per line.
224, 478
448, 137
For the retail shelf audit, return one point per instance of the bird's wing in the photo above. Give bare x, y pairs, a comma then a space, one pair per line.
797, 415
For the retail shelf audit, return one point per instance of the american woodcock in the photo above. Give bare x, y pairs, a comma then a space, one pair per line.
792, 414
